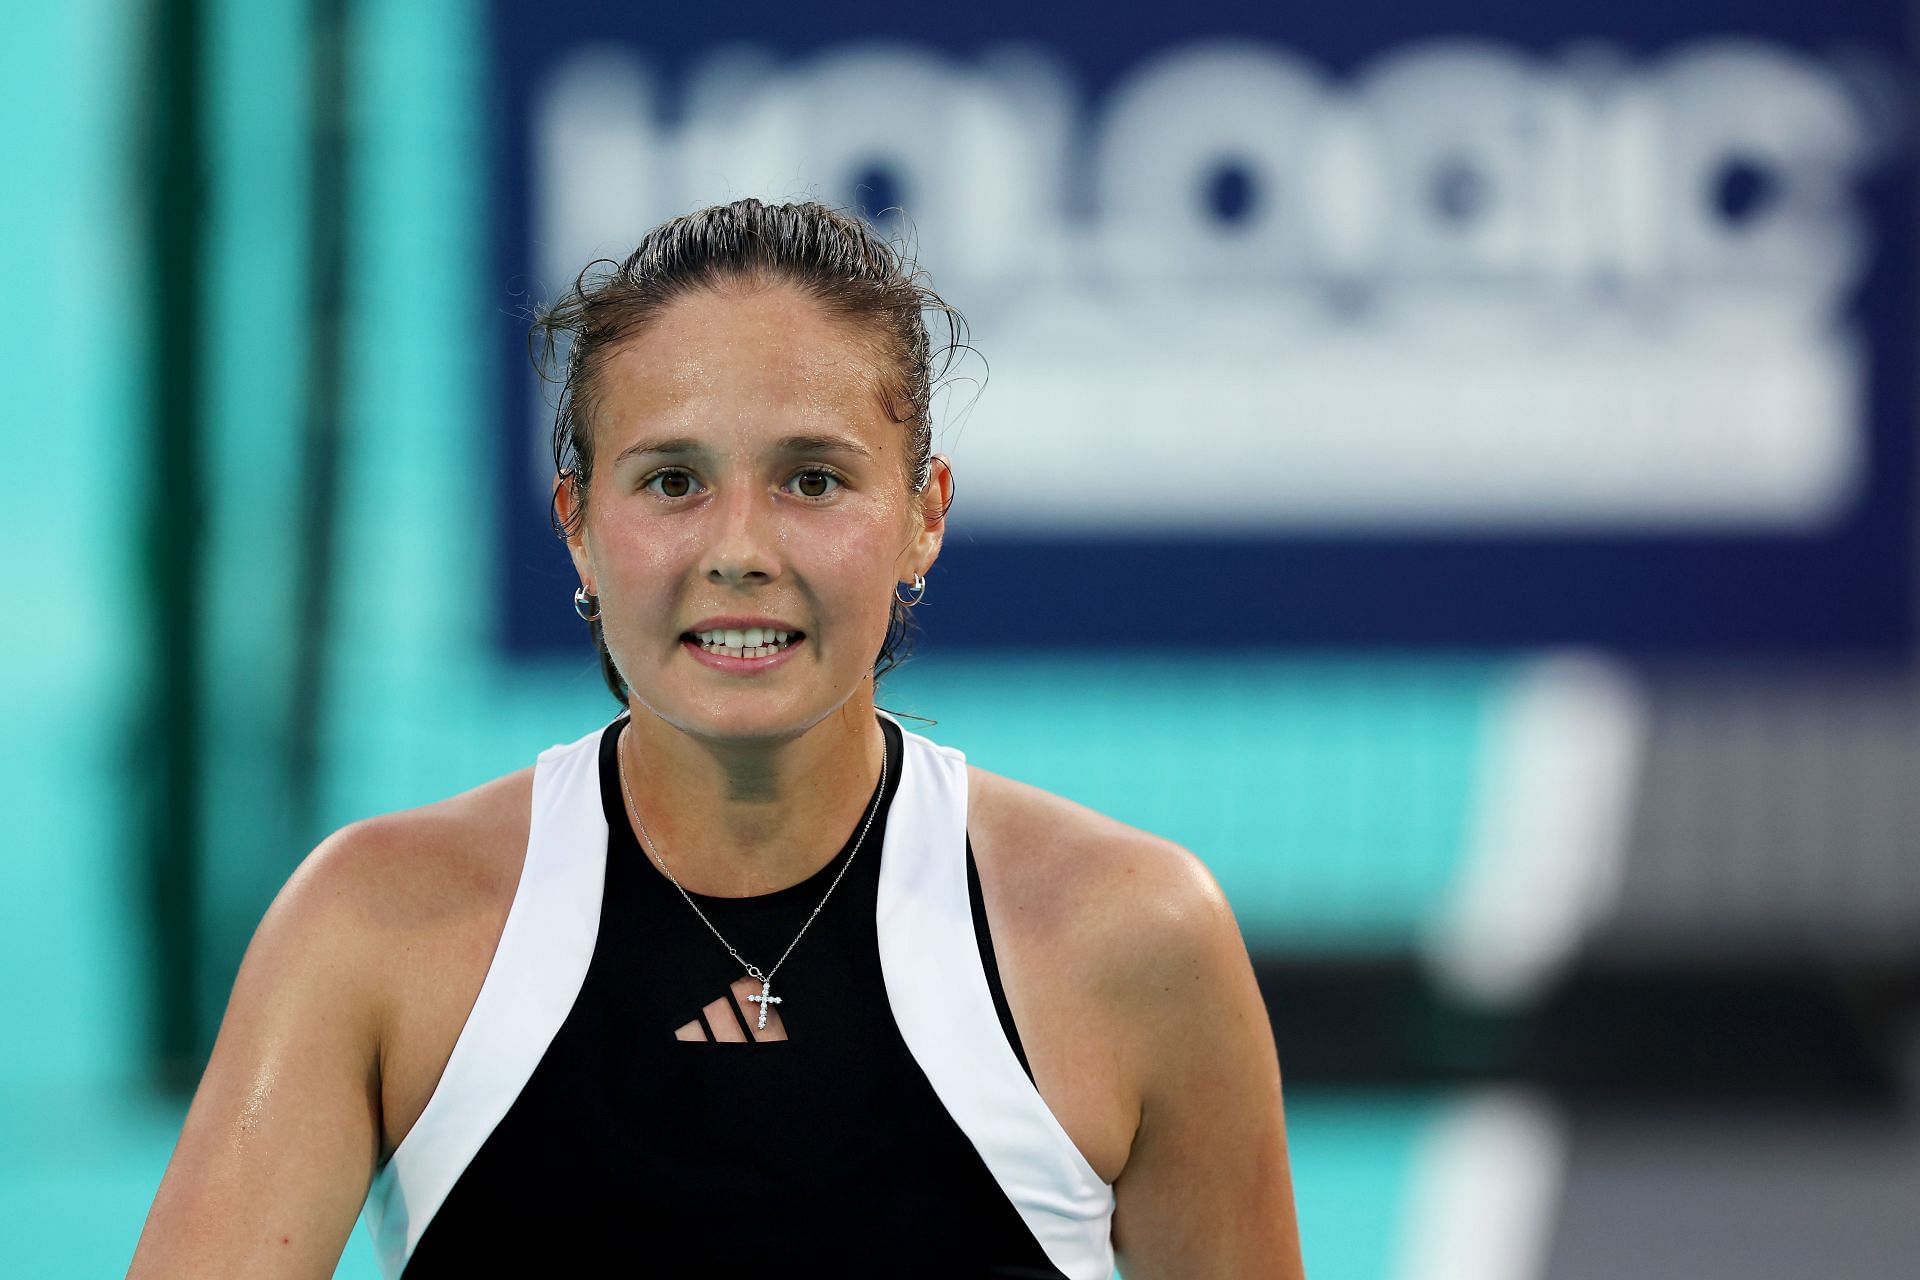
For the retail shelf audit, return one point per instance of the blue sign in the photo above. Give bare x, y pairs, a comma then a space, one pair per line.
1481, 325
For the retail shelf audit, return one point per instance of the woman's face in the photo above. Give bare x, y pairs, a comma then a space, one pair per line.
746, 472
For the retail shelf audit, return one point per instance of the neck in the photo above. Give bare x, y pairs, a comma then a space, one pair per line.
734, 819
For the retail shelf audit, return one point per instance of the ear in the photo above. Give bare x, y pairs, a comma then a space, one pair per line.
933, 502
569, 508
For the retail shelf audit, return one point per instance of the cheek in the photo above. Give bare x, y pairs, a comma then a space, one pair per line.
859, 553
639, 570
637, 553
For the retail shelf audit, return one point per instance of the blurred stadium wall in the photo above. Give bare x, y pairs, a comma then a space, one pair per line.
1544, 701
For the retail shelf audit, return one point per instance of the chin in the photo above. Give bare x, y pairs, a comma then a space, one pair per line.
779, 706
746, 715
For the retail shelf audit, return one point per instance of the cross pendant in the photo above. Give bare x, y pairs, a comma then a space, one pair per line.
763, 1000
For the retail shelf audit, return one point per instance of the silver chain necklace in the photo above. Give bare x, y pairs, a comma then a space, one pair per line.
766, 996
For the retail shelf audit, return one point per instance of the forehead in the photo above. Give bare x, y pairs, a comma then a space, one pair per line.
739, 357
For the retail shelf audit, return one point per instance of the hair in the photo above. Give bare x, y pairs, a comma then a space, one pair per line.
857, 276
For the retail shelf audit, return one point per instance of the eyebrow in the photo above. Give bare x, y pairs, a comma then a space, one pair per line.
685, 445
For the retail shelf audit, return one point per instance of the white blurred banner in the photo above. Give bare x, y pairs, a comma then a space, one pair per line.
1467, 287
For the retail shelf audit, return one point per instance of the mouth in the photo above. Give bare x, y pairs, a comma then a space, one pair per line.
742, 650
743, 643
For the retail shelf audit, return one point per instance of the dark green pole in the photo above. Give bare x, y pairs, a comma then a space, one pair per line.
166, 751
329, 158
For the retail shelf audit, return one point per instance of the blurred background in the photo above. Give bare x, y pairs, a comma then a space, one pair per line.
1449, 466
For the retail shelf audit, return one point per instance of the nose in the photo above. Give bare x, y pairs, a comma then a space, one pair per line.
742, 546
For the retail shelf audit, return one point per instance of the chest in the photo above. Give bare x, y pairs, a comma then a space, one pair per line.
1072, 1044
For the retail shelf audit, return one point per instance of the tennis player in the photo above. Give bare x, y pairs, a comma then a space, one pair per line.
752, 979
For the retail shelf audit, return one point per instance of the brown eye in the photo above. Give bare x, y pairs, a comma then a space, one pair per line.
814, 484
682, 482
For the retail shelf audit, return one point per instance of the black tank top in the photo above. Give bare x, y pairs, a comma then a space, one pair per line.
828, 1153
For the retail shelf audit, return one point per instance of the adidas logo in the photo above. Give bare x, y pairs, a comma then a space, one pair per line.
735, 1019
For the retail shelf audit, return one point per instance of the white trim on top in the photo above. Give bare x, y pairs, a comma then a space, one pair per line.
930, 959
536, 974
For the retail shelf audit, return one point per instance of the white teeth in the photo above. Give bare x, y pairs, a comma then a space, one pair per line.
749, 642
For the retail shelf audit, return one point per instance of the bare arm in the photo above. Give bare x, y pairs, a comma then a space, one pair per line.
279, 1146
1206, 1190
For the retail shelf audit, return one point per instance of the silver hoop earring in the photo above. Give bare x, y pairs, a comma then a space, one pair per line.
586, 604
919, 589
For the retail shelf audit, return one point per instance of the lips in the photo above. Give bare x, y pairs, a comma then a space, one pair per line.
740, 660
754, 642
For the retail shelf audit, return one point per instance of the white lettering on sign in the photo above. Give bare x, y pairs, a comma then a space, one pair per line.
1467, 287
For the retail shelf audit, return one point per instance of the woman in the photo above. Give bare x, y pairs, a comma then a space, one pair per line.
751, 981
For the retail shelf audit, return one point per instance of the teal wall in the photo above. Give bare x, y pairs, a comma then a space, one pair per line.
79, 1135
71, 662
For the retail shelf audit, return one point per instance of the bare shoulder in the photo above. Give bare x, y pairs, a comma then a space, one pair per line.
1150, 1037
1102, 880
416, 868
384, 880
1114, 944
331, 1029
431, 888
409, 906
